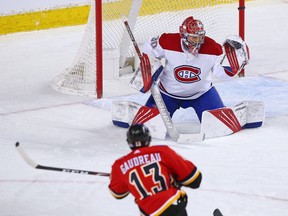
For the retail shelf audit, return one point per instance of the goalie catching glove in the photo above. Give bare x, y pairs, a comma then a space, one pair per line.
237, 53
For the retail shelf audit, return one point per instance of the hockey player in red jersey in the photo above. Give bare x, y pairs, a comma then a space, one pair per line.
153, 175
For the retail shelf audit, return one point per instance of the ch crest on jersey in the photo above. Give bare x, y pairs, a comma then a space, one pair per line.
187, 74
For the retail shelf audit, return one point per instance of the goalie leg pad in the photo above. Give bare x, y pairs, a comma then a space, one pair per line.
219, 122
144, 114
125, 113
255, 114
151, 118
226, 121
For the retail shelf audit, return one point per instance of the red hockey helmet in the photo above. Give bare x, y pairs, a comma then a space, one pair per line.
192, 35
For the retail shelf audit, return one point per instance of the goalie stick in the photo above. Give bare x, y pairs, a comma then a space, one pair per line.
38, 166
172, 130
174, 134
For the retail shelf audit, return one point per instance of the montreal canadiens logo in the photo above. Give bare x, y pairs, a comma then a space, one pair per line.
187, 74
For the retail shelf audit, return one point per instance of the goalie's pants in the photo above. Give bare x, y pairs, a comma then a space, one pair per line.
208, 101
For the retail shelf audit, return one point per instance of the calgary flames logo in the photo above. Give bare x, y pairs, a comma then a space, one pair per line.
187, 74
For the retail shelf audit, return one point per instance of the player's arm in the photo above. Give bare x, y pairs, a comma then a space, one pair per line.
117, 187
237, 53
118, 195
185, 173
193, 180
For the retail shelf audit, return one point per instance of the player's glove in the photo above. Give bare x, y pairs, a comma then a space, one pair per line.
142, 80
237, 53
145, 67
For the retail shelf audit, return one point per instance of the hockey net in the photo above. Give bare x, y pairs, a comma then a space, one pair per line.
147, 18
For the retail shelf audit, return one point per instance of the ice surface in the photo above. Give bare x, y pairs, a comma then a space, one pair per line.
243, 174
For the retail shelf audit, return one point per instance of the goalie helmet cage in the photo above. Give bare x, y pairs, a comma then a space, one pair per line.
106, 48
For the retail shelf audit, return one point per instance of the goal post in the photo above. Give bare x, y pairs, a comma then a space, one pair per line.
98, 52
106, 51
241, 9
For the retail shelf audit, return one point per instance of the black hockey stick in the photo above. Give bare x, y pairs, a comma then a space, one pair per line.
217, 212
38, 166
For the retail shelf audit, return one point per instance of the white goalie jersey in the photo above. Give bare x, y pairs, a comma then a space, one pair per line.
186, 76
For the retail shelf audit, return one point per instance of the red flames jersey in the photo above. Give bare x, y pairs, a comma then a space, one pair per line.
148, 174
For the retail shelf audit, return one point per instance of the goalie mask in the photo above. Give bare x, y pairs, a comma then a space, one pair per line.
192, 35
138, 136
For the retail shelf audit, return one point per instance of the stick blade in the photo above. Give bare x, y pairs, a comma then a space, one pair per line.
24, 155
190, 138
217, 212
